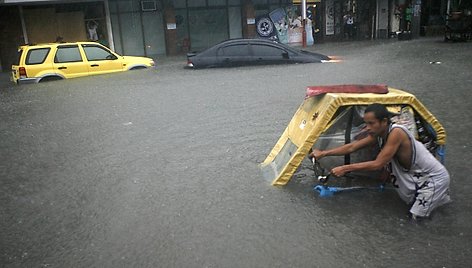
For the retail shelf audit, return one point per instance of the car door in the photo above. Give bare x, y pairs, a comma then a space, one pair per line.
101, 60
68, 62
234, 55
269, 54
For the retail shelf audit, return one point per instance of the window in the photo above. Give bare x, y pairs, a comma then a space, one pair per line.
93, 52
67, 54
37, 56
129, 6
216, 2
196, 3
179, 4
18, 57
148, 5
235, 50
264, 50
259, 2
234, 2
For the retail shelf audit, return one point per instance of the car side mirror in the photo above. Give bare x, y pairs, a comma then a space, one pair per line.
111, 57
285, 55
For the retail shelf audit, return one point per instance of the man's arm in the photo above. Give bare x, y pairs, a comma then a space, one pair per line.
345, 149
394, 141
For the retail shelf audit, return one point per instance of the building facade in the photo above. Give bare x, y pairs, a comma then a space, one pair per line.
168, 27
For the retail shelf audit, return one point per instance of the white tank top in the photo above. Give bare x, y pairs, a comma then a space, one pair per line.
423, 164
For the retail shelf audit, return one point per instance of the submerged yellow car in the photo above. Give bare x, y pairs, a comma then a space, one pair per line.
54, 61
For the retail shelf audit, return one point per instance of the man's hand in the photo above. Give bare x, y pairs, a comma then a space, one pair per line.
317, 154
339, 171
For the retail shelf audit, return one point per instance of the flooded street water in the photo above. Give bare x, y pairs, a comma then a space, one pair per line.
159, 168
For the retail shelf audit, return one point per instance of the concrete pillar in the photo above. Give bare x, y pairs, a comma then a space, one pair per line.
170, 31
416, 18
382, 19
111, 44
249, 20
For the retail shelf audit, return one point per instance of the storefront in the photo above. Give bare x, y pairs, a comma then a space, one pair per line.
200, 24
167, 27
362, 15
130, 27
36, 21
335, 20
137, 27
178, 26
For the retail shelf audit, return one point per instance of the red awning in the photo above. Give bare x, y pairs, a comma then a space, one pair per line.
318, 90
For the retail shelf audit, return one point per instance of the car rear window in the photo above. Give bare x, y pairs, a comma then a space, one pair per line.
18, 57
67, 54
37, 56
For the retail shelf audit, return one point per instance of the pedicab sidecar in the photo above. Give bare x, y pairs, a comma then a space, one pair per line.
330, 116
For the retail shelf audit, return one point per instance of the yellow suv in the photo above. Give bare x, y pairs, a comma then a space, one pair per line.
45, 62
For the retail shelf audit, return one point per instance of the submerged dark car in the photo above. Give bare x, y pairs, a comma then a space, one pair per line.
238, 52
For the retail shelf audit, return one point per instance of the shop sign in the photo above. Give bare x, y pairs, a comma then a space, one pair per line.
329, 17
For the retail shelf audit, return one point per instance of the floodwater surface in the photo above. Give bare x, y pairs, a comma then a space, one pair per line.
159, 168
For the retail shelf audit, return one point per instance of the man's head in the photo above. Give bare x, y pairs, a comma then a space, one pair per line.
377, 119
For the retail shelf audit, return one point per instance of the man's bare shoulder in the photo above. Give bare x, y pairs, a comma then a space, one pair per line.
398, 134
398, 130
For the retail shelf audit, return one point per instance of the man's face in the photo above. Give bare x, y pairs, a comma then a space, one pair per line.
374, 126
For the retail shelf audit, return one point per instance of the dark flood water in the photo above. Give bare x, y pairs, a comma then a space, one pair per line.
159, 168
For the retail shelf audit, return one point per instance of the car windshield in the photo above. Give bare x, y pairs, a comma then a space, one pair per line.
289, 48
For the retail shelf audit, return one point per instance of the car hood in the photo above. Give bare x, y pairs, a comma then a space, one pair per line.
139, 60
317, 55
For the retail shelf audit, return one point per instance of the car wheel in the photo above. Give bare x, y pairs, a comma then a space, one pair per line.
137, 68
50, 78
